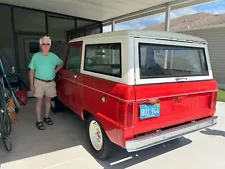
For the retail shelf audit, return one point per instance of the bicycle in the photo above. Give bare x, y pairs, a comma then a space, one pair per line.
5, 80
5, 124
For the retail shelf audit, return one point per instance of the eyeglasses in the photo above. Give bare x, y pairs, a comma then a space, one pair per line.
45, 44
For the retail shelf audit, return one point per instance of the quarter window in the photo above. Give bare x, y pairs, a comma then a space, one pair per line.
103, 59
74, 58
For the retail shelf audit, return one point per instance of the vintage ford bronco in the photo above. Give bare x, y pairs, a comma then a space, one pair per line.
137, 89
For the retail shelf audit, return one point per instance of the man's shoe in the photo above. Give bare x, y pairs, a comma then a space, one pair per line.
48, 120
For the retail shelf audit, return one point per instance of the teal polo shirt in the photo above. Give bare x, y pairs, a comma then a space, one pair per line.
44, 66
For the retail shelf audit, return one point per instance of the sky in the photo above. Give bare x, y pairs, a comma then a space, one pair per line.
217, 7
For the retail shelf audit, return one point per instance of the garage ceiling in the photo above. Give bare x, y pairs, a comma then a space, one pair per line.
100, 10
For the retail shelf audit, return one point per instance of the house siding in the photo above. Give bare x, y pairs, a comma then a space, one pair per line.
216, 44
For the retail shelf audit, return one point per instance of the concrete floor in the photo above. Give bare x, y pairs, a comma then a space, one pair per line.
203, 149
67, 131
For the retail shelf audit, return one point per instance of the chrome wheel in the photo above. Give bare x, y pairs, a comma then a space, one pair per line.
95, 134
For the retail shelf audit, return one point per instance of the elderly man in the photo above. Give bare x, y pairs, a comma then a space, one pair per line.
43, 67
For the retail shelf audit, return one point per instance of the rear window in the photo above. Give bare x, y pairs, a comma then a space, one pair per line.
103, 59
160, 61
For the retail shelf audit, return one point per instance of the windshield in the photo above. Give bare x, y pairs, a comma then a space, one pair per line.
160, 61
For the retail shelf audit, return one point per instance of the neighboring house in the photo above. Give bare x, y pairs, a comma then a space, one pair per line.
209, 27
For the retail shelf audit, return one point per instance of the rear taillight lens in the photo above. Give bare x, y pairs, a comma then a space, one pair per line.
130, 114
213, 100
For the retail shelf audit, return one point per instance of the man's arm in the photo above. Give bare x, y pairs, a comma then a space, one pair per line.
58, 68
59, 63
32, 69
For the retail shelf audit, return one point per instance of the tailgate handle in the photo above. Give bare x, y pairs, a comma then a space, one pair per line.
181, 79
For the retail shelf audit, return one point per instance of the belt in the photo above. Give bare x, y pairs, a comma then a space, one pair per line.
44, 80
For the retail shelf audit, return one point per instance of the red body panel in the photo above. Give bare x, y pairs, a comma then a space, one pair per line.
179, 103
86, 92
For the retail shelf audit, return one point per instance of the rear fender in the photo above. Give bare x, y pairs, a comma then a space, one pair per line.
109, 126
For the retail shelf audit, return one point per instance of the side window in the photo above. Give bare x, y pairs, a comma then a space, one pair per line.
103, 59
74, 58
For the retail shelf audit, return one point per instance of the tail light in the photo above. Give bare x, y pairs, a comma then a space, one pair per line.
213, 100
130, 114
121, 114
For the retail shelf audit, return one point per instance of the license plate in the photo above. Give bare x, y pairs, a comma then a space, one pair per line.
149, 111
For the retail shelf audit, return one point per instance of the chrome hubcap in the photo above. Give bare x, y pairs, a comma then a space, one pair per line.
95, 134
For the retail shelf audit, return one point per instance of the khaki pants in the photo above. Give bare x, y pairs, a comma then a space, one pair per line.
42, 89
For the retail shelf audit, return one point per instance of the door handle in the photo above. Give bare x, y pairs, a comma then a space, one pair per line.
181, 79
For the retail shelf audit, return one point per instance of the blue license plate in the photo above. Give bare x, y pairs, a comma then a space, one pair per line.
149, 111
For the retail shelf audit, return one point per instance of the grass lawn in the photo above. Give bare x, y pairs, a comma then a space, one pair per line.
221, 95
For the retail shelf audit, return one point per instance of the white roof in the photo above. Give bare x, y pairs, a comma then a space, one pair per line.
102, 10
144, 33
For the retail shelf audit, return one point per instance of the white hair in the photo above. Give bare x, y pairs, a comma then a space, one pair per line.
45, 37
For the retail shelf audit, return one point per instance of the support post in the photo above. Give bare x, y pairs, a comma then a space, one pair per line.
101, 31
113, 26
46, 23
15, 41
167, 28
75, 33
167, 23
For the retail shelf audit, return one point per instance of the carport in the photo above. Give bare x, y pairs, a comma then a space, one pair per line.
23, 22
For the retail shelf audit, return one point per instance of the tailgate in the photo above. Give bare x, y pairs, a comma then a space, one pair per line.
177, 103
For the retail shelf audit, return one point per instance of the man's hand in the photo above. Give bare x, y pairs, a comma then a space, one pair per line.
32, 88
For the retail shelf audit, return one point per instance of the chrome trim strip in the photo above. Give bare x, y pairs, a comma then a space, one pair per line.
167, 135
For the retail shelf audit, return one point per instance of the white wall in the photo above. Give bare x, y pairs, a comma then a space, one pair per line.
216, 39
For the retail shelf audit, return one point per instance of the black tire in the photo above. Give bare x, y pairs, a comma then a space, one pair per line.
56, 105
7, 127
5, 122
7, 143
105, 150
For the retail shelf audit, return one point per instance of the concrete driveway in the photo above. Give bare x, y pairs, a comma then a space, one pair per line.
65, 145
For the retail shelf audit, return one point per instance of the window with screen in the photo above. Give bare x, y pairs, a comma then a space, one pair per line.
74, 58
160, 61
104, 59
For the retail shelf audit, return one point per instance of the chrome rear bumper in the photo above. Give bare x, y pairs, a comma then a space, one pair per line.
167, 135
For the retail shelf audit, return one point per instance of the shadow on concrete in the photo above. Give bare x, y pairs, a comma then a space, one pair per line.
120, 158
212, 132
68, 131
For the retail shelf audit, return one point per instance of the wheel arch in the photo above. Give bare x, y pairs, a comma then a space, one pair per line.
104, 125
